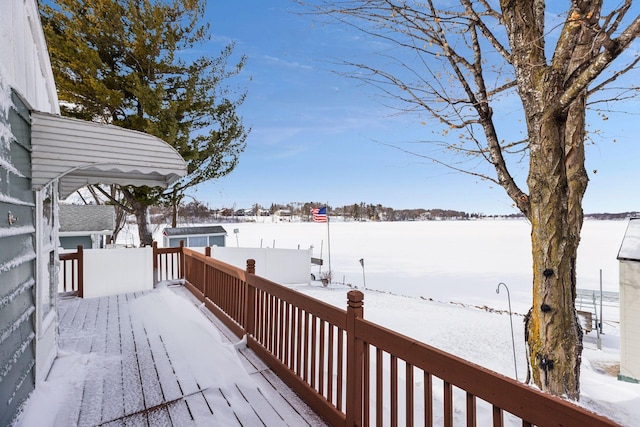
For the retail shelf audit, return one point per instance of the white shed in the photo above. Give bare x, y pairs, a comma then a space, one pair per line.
213, 235
629, 257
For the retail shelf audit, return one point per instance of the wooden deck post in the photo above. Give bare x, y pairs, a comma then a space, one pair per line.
354, 360
205, 288
251, 266
181, 271
80, 272
154, 245
250, 307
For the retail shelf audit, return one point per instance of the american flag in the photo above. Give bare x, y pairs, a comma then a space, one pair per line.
319, 214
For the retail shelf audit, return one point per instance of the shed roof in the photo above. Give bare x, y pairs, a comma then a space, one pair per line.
87, 218
190, 231
630, 248
79, 153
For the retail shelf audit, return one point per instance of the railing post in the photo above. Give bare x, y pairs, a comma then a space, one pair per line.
250, 303
354, 360
181, 262
207, 252
154, 245
80, 272
251, 266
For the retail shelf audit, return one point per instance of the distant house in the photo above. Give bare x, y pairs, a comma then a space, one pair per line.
629, 257
195, 237
88, 225
45, 157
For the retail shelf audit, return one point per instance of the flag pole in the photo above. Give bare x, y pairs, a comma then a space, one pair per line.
329, 242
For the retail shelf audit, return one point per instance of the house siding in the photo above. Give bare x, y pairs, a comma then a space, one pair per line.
17, 265
630, 320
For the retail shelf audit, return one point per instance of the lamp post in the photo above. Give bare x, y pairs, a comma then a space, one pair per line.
364, 282
236, 231
513, 340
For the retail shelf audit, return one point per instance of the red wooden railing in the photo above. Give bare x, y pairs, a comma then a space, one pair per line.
71, 273
354, 372
167, 263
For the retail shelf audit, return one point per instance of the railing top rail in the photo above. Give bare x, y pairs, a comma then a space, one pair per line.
327, 312
229, 269
173, 250
321, 309
506, 393
68, 256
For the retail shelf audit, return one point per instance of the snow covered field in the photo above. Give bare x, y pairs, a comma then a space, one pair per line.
458, 265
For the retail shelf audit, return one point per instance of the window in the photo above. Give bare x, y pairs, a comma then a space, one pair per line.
198, 241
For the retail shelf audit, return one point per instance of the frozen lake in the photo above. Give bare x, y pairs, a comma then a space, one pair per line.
450, 261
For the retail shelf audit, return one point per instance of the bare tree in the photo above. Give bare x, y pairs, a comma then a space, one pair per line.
460, 62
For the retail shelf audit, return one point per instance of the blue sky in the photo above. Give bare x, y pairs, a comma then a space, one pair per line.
319, 136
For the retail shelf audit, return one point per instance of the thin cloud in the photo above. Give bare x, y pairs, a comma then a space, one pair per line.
287, 63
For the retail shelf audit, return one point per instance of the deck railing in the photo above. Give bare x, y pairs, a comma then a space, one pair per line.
71, 273
167, 263
354, 372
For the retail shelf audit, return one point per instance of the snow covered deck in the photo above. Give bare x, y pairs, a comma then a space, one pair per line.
154, 358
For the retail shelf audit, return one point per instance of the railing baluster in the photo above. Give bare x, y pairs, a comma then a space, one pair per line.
299, 342
497, 417
305, 344
394, 391
448, 404
366, 380
322, 359
428, 399
379, 388
409, 395
330, 370
314, 353
340, 366
471, 410
287, 334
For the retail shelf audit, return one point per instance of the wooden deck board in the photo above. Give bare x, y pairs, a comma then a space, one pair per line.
179, 413
132, 381
265, 411
149, 381
171, 389
199, 409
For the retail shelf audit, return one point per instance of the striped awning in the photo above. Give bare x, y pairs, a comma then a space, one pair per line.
77, 153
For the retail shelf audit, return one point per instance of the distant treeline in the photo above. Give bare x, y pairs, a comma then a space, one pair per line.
601, 216
196, 211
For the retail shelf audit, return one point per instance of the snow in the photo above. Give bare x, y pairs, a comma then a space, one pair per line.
201, 348
193, 345
459, 261
433, 281
5, 105
14, 201
630, 248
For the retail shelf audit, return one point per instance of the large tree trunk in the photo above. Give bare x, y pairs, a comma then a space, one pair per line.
144, 226
557, 181
140, 207
556, 185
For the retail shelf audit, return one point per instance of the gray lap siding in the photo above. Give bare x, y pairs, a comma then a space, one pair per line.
17, 266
